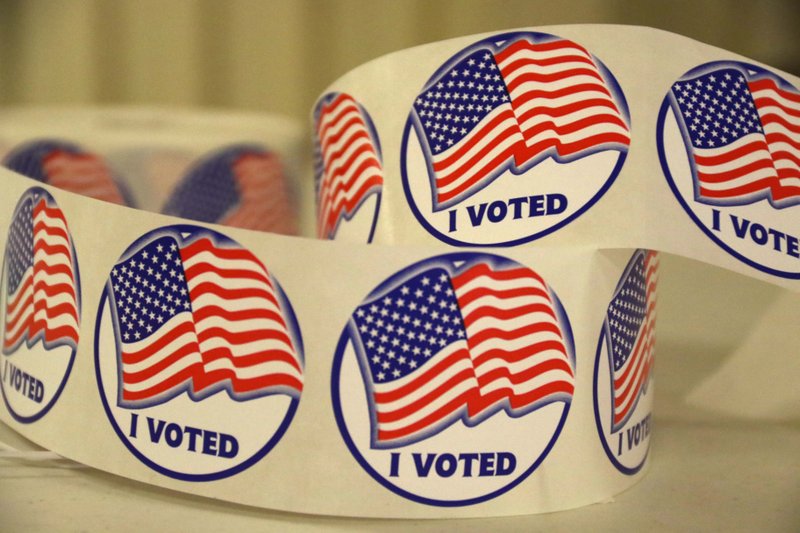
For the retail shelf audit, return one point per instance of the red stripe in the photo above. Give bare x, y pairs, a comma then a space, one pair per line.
521, 331
767, 84
506, 314
208, 311
242, 337
523, 376
482, 269
772, 183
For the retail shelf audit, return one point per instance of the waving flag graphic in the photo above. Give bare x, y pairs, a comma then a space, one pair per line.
197, 317
243, 186
743, 134
348, 166
437, 347
630, 333
509, 107
69, 167
42, 298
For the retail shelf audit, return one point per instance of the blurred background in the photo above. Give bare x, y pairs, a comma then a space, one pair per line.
278, 55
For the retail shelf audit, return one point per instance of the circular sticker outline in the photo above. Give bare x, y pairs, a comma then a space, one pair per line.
373, 133
290, 412
619, 466
79, 302
595, 391
336, 367
619, 98
662, 158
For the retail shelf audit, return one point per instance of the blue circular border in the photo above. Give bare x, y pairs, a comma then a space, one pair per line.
341, 346
662, 157
63, 384
276, 437
616, 90
373, 133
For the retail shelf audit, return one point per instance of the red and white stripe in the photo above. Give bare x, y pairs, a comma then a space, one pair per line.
265, 204
85, 174
742, 168
779, 110
515, 340
164, 361
422, 400
234, 333
45, 302
19, 312
351, 168
560, 99
241, 331
464, 166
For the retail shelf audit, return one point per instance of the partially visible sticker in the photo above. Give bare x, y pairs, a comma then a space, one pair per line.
511, 139
199, 355
243, 186
729, 143
41, 307
348, 169
623, 383
67, 166
452, 380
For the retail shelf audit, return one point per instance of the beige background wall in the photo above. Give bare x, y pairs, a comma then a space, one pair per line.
278, 55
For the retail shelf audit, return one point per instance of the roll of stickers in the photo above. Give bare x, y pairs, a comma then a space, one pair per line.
489, 353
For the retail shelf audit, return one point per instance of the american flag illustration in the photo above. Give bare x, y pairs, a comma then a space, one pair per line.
41, 297
348, 163
743, 137
197, 317
630, 332
494, 110
437, 347
67, 166
243, 186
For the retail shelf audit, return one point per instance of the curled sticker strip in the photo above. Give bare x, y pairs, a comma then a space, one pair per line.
490, 353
